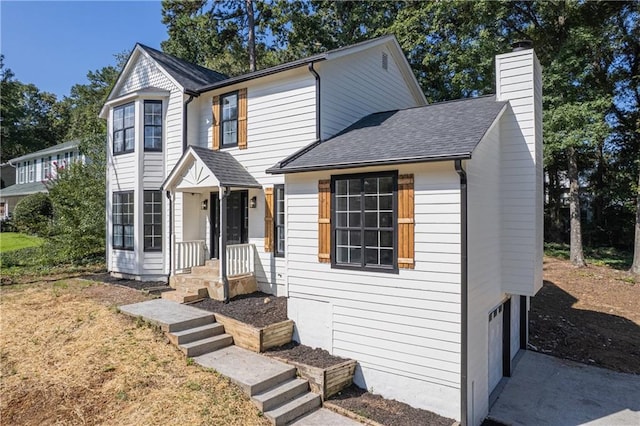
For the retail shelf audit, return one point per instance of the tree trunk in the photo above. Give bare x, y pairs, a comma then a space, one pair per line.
251, 42
635, 267
576, 256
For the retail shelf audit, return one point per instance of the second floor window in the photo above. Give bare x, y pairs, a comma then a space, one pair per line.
21, 172
153, 125
229, 123
123, 128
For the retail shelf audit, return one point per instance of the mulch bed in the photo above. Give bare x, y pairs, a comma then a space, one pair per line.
306, 355
257, 309
150, 286
388, 412
589, 315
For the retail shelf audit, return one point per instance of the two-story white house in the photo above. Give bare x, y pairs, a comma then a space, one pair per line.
406, 236
33, 170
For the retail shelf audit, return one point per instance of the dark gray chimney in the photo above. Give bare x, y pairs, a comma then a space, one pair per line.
522, 45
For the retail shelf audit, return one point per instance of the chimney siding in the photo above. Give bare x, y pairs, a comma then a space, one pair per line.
519, 81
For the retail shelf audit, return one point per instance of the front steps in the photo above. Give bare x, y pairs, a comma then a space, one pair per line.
271, 384
194, 286
203, 281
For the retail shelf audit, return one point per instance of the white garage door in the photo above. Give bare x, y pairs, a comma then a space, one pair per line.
495, 347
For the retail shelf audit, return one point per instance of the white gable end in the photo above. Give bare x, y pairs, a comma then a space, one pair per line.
145, 74
197, 175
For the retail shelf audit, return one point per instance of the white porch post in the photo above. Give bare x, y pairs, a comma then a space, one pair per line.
223, 194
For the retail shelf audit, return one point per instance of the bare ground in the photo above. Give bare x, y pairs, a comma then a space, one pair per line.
590, 315
68, 357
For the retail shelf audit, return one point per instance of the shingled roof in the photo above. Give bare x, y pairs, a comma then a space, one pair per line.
441, 131
190, 76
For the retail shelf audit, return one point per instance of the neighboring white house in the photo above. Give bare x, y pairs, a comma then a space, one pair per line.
33, 170
406, 236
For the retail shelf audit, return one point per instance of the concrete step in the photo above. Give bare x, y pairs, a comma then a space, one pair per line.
169, 315
254, 373
197, 333
280, 394
181, 296
203, 346
293, 409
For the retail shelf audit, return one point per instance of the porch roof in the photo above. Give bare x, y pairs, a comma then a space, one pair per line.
202, 167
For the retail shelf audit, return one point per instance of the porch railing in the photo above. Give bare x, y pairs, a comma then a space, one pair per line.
240, 259
189, 254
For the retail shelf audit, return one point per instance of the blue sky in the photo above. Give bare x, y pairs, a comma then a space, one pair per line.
53, 44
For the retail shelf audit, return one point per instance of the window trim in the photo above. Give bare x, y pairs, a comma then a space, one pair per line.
393, 269
235, 93
276, 252
113, 225
124, 130
145, 224
144, 125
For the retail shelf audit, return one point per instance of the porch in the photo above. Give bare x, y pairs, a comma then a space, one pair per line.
210, 254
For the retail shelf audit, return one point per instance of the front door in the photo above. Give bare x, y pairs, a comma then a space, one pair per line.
237, 220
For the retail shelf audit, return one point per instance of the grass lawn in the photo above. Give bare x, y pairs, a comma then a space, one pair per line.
68, 357
14, 241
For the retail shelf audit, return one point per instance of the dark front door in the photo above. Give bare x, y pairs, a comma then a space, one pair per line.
237, 220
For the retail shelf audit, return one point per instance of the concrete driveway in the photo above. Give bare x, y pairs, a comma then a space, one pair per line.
550, 391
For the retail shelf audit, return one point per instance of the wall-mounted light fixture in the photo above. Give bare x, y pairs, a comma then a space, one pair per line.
253, 202
204, 205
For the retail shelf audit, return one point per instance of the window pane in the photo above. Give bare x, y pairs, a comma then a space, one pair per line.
341, 203
386, 220
118, 141
386, 239
342, 238
354, 203
129, 139
386, 257
385, 185
341, 187
118, 118
386, 202
355, 255
371, 257
342, 255
229, 132
341, 219
370, 202
354, 220
371, 185
354, 186
230, 107
371, 219
355, 238
371, 238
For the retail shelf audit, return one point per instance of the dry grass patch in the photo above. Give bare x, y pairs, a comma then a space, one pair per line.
68, 357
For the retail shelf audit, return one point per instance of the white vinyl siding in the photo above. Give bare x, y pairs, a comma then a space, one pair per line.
358, 85
404, 329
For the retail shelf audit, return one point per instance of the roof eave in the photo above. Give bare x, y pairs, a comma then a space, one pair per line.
262, 73
409, 160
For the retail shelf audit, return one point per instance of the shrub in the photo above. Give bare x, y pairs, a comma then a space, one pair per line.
6, 225
33, 214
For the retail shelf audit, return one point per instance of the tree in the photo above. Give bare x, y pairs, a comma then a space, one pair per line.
33, 214
232, 37
30, 119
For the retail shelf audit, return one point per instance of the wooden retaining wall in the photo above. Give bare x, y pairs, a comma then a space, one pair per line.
326, 381
257, 339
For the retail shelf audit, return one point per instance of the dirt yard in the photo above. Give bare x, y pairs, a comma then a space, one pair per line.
68, 357
590, 315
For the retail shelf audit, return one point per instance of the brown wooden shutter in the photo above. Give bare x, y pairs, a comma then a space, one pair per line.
215, 124
324, 221
268, 220
406, 225
242, 119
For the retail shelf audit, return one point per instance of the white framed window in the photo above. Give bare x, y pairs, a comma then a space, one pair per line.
278, 219
46, 168
31, 167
